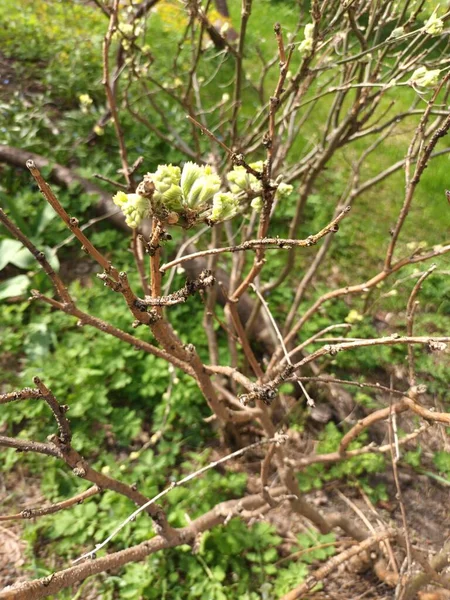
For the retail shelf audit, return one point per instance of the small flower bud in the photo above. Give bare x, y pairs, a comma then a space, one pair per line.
283, 191
422, 77
308, 31
199, 184
85, 99
85, 102
242, 181
166, 180
126, 28
434, 25
306, 46
397, 32
191, 172
225, 206
257, 204
134, 207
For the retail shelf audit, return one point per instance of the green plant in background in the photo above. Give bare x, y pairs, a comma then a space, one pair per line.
355, 471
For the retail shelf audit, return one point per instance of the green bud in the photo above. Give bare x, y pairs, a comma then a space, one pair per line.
397, 32
257, 204
126, 28
283, 191
173, 197
308, 31
434, 25
257, 166
238, 180
199, 185
191, 172
166, 180
120, 199
241, 181
422, 77
134, 207
225, 206
305, 47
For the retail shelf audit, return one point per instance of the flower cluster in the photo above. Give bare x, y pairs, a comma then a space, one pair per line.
434, 25
422, 77
193, 194
305, 47
134, 207
240, 180
85, 102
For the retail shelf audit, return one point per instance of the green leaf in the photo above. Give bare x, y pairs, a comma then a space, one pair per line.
47, 215
15, 286
442, 461
51, 257
8, 252
218, 573
23, 258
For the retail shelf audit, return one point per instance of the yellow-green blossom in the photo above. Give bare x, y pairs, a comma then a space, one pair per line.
199, 184
434, 25
85, 102
283, 191
257, 204
353, 317
308, 31
166, 179
85, 99
191, 172
306, 46
240, 180
134, 207
225, 206
422, 77
126, 28
397, 32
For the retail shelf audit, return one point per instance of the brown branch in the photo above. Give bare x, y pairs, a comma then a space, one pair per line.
60, 447
66, 177
246, 7
419, 169
334, 457
333, 563
42, 588
278, 439
231, 311
269, 138
32, 513
113, 21
57, 409
362, 424
30, 446
71, 222
410, 312
355, 289
87, 319
39, 256
437, 563
278, 243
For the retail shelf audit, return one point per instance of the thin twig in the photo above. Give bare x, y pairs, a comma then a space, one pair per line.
173, 485
410, 312
278, 243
